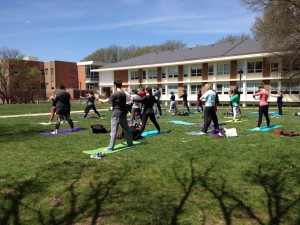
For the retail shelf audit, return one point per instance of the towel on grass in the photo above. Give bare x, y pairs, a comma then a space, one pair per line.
265, 128
75, 129
118, 147
181, 122
153, 133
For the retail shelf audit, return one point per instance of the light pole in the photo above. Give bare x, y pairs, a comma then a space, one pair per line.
240, 72
80, 91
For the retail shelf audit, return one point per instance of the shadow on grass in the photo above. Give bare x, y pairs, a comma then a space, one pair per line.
281, 199
68, 206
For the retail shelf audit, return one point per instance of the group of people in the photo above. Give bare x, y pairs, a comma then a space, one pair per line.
123, 102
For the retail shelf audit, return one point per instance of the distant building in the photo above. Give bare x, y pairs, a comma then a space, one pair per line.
227, 65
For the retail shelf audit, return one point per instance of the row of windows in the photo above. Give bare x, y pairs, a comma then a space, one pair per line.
197, 71
287, 88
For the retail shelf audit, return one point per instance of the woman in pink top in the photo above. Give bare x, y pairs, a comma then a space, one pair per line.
263, 106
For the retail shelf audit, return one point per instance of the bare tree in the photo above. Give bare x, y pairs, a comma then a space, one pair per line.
231, 38
278, 27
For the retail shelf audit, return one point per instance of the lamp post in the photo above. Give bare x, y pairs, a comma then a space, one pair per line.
240, 72
80, 91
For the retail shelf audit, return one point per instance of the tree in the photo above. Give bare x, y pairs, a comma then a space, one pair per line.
231, 38
278, 27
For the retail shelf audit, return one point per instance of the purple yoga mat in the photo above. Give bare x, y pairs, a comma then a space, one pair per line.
213, 134
212, 124
75, 129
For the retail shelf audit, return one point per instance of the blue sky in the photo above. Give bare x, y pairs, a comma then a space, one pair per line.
70, 30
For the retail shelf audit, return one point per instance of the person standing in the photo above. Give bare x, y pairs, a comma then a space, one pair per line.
209, 110
119, 115
53, 107
157, 95
239, 93
63, 108
234, 102
148, 101
173, 106
135, 109
279, 97
263, 106
91, 104
199, 102
128, 100
185, 101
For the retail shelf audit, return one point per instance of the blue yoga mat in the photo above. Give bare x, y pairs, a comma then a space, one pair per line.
265, 128
153, 133
181, 122
75, 129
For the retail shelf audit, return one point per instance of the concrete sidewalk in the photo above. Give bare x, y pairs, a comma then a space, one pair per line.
43, 114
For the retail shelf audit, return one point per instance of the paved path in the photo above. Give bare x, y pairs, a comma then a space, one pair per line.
42, 114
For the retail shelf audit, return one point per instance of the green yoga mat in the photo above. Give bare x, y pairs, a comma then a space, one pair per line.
118, 147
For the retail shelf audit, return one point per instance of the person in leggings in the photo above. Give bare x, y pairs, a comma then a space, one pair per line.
148, 101
91, 104
263, 106
53, 107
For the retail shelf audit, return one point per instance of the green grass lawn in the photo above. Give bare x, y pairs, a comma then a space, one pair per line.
173, 179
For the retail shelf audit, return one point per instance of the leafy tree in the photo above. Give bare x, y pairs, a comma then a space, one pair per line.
231, 38
278, 26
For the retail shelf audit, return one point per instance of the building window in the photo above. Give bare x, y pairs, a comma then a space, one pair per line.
46, 72
252, 87
274, 65
163, 73
240, 66
219, 88
163, 90
134, 75
274, 88
223, 69
173, 72
195, 89
43, 86
185, 71
196, 71
173, 88
210, 69
152, 74
254, 67
226, 88
295, 87
144, 75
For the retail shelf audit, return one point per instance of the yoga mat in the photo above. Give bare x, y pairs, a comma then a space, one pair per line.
265, 128
118, 147
153, 133
91, 117
181, 122
231, 121
197, 133
75, 129
216, 135
46, 124
212, 124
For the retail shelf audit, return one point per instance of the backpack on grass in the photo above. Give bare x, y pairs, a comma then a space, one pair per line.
98, 128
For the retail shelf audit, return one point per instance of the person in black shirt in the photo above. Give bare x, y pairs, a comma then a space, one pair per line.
184, 101
148, 101
199, 102
91, 104
63, 108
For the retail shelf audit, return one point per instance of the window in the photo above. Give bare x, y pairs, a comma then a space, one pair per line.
144, 75
173, 88
254, 67
226, 88
163, 90
43, 86
196, 71
210, 69
185, 71
219, 88
285, 86
252, 87
134, 75
223, 69
163, 73
295, 87
274, 66
46, 72
274, 88
173, 72
195, 89
240, 66
152, 73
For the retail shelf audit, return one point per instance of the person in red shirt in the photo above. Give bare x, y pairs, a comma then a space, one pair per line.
263, 106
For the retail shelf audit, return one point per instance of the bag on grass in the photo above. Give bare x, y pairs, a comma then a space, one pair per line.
98, 128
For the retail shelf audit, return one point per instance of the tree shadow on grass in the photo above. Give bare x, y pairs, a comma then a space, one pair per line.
280, 186
68, 206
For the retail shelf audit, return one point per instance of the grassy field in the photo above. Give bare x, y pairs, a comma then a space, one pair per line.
174, 178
